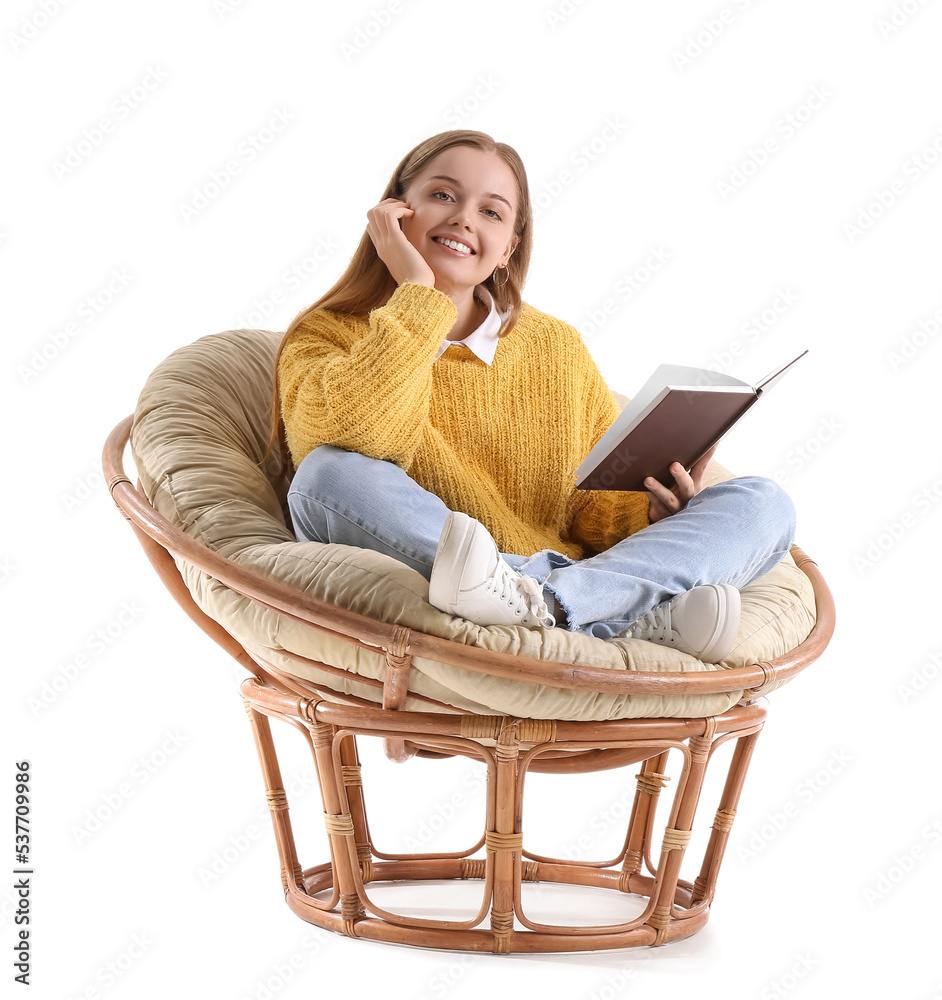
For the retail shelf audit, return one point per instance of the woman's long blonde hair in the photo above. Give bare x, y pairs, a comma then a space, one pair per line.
366, 283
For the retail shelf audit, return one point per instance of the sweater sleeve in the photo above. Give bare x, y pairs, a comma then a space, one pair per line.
366, 389
600, 518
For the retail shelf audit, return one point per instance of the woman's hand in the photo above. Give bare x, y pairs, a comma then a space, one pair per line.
405, 263
662, 502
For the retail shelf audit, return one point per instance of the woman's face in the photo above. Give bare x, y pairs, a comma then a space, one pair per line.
465, 204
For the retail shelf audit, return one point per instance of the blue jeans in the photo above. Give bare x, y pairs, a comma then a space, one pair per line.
733, 532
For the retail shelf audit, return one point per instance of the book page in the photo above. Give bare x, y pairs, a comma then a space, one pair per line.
678, 376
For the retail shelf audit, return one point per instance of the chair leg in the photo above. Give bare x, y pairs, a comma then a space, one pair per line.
678, 833
277, 799
638, 845
339, 823
353, 786
504, 842
705, 884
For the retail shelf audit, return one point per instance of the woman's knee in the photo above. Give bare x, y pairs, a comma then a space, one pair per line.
321, 481
329, 473
767, 492
754, 494
766, 495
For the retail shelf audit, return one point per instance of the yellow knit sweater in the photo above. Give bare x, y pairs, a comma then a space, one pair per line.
500, 442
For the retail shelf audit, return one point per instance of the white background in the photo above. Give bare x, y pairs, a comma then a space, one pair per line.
640, 124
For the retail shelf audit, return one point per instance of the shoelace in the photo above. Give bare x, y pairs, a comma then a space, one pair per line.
523, 594
656, 624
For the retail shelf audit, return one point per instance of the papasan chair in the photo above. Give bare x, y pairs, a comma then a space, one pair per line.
341, 644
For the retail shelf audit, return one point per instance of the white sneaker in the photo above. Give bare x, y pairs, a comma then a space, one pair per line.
471, 580
702, 622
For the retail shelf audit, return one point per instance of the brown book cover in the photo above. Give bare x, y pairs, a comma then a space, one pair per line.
677, 416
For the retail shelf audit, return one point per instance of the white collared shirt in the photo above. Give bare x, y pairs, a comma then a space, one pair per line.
483, 340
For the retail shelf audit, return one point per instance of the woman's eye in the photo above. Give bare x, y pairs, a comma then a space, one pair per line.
444, 194
493, 213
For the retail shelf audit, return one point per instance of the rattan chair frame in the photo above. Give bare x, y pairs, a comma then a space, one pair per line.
336, 894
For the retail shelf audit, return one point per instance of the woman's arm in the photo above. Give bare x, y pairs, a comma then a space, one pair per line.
364, 385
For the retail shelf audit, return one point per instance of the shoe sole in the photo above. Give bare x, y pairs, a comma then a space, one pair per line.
729, 603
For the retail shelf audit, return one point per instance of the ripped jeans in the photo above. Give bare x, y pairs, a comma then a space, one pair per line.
733, 532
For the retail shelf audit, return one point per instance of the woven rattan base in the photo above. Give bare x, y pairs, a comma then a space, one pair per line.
340, 895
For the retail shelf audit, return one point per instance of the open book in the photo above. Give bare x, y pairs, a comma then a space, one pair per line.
677, 416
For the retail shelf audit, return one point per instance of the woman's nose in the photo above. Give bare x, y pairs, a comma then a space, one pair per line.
460, 216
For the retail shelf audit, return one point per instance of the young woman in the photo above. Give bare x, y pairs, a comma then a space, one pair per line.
433, 415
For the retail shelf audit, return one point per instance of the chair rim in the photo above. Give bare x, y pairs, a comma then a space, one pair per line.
337, 620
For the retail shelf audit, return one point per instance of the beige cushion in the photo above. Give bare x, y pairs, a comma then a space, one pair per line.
200, 431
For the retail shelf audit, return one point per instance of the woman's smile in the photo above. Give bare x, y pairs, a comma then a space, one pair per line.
456, 247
